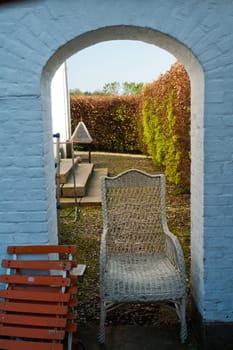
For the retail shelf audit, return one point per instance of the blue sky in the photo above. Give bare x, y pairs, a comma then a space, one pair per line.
118, 60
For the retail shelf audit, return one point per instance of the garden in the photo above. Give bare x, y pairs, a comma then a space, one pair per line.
85, 233
154, 123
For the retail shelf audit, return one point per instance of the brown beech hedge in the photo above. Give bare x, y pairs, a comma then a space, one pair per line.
112, 121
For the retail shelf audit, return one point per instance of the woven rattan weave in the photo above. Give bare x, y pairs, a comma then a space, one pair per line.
140, 259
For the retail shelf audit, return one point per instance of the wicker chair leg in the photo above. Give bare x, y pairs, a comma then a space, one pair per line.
101, 337
183, 326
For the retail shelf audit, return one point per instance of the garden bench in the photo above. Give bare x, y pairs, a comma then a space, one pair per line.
140, 259
39, 302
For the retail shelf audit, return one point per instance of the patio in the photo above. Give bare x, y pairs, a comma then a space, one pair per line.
133, 338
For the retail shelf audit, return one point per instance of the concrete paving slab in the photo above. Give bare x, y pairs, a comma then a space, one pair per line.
127, 337
66, 166
93, 193
82, 175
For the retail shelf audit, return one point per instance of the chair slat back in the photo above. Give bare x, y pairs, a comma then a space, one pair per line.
32, 307
38, 264
34, 294
39, 297
11, 344
41, 249
55, 281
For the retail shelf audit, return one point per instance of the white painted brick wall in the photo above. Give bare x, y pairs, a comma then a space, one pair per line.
36, 37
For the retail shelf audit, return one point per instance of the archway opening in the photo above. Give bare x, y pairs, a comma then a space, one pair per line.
194, 69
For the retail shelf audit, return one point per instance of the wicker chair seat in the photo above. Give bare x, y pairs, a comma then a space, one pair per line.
142, 278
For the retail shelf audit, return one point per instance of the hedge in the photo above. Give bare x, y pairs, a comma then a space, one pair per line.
165, 108
156, 122
112, 121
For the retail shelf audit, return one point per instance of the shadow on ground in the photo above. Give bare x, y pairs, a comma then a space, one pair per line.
132, 338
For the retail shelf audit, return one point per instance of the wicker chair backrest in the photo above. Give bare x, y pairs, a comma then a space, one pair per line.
134, 212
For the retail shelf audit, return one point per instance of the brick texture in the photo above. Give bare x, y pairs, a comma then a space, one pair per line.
36, 37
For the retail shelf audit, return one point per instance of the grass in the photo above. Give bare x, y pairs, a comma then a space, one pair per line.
86, 232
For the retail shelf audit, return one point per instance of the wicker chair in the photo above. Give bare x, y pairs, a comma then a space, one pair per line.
140, 259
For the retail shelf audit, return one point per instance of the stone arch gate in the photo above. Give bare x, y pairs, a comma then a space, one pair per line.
37, 36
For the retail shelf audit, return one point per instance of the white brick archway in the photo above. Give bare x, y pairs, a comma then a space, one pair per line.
36, 37
194, 69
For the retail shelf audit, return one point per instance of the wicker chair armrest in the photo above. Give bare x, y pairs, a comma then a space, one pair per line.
103, 258
174, 251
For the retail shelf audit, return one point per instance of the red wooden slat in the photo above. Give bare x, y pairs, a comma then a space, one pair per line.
28, 345
73, 301
41, 249
71, 327
74, 279
38, 264
34, 296
35, 280
72, 289
27, 307
29, 332
40, 293
72, 315
28, 320
32, 288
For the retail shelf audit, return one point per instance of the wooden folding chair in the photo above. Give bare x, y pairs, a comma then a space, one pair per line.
39, 301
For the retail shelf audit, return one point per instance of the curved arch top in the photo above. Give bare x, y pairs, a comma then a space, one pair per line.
124, 32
